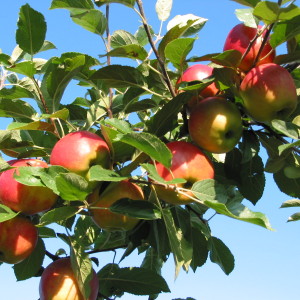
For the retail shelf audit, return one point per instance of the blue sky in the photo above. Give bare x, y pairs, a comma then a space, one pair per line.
266, 261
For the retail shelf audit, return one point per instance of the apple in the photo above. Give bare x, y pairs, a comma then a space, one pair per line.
106, 219
189, 163
215, 125
239, 39
80, 150
24, 198
18, 238
58, 282
268, 92
199, 72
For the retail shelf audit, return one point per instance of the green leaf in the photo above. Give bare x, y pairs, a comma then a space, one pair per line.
117, 76
132, 51
137, 209
176, 51
92, 20
26, 68
221, 255
121, 125
82, 267
204, 190
294, 217
6, 213
251, 3
72, 187
31, 265
29, 176
141, 35
97, 173
149, 144
86, 231
58, 214
267, 11
166, 118
140, 105
31, 30
45, 232
289, 129
245, 15
15, 92
249, 146
181, 248
16, 108
72, 4
62, 114
122, 38
37, 125
289, 186
136, 281
291, 203
129, 3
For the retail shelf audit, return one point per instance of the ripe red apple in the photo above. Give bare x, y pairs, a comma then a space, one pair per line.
268, 92
18, 238
189, 163
106, 219
58, 282
80, 150
215, 125
239, 38
24, 198
199, 72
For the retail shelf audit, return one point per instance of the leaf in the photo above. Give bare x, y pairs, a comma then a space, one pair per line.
177, 51
136, 281
31, 30
205, 192
149, 144
6, 213
62, 114
132, 51
117, 76
245, 15
29, 176
26, 68
72, 4
31, 265
163, 9
72, 187
165, 119
267, 11
291, 203
92, 20
86, 231
251, 3
289, 186
289, 129
16, 92
97, 173
82, 267
57, 215
294, 217
129, 3
16, 108
221, 255
122, 38
37, 125
137, 209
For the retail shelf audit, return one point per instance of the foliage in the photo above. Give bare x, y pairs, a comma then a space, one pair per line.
135, 107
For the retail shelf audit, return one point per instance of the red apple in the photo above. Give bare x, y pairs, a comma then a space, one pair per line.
215, 125
199, 72
106, 219
239, 39
18, 238
80, 150
24, 198
58, 282
189, 163
268, 92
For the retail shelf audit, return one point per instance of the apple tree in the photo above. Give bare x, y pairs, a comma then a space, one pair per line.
137, 161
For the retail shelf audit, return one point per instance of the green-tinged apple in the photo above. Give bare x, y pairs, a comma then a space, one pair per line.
189, 163
240, 37
268, 92
215, 125
24, 198
58, 282
18, 238
80, 150
199, 72
106, 219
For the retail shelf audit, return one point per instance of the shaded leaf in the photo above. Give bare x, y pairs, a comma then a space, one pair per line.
58, 214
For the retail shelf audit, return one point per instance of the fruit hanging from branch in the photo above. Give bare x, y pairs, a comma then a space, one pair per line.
243, 38
269, 92
215, 125
189, 163
25, 198
58, 282
18, 238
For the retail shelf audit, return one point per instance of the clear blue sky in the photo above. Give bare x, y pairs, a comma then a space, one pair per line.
266, 261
